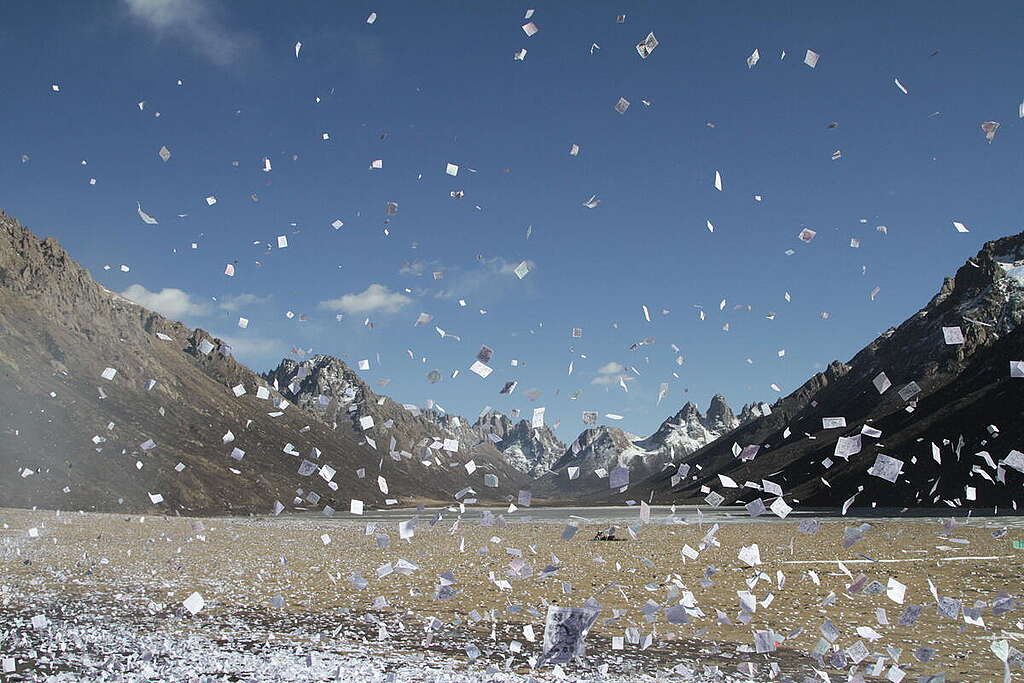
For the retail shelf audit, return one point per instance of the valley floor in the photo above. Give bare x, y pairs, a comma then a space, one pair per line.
101, 597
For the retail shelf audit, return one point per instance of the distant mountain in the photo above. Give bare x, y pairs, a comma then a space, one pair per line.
109, 406
327, 387
532, 450
583, 472
938, 389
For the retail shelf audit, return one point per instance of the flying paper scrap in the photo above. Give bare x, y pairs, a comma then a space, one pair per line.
646, 46
564, 633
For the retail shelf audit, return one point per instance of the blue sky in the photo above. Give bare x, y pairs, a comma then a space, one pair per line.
431, 83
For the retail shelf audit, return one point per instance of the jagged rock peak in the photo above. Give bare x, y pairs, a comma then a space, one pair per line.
494, 422
613, 436
689, 411
320, 363
720, 416
528, 449
747, 413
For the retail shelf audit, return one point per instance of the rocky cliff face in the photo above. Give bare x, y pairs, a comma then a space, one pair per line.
937, 388
689, 429
160, 429
530, 450
720, 418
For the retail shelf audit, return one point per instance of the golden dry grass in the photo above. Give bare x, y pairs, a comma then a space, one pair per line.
239, 565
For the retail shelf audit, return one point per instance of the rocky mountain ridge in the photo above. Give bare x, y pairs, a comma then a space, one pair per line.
936, 399
110, 406
584, 471
327, 387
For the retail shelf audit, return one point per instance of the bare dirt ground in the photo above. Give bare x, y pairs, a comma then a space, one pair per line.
299, 598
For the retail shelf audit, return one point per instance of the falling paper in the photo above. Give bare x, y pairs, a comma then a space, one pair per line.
895, 591
646, 46
847, 446
886, 468
481, 369
953, 335
989, 128
564, 633
146, 218
751, 555
194, 603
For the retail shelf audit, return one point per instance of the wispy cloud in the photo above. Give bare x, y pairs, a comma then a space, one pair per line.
612, 373
194, 21
415, 268
256, 351
612, 379
375, 298
235, 302
491, 275
509, 267
169, 301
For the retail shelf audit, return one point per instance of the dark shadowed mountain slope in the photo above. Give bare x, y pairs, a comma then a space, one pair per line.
958, 396
72, 439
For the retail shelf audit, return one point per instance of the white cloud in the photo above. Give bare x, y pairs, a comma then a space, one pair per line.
256, 350
193, 21
169, 302
235, 302
612, 373
493, 276
611, 368
374, 298
414, 268
611, 379
509, 268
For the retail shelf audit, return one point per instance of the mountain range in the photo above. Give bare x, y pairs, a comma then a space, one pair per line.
325, 386
584, 471
927, 414
111, 406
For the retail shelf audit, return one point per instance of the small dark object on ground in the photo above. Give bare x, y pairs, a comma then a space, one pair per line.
607, 535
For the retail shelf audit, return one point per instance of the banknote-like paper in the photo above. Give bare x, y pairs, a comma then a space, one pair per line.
565, 630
